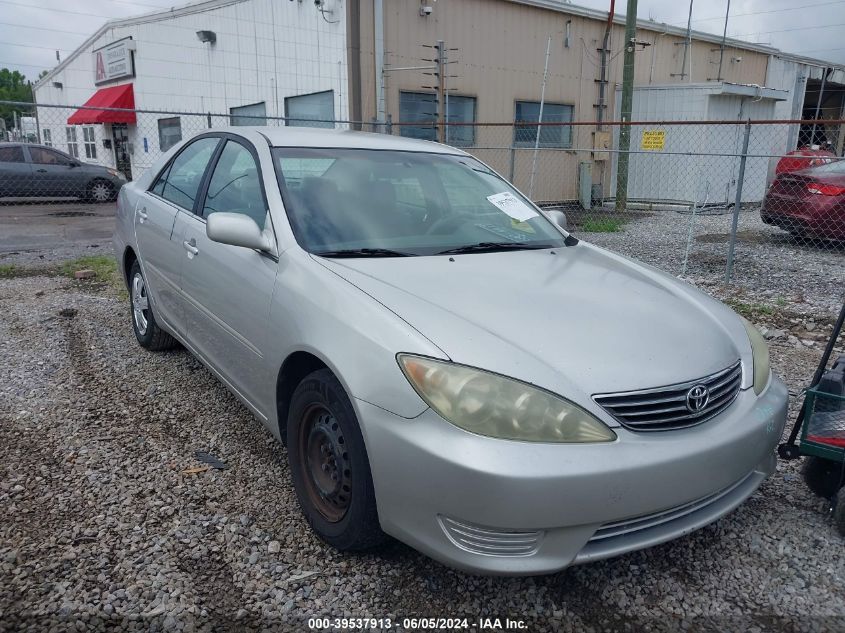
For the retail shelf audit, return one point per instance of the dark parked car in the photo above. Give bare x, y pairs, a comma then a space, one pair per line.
809, 203
28, 170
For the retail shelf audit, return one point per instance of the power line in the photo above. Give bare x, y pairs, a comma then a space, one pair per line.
817, 50
141, 4
797, 28
8, 64
94, 15
44, 28
46, 48
755, 13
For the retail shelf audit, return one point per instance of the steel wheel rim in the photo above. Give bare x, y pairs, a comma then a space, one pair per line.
325, 463
140, 304
100, 191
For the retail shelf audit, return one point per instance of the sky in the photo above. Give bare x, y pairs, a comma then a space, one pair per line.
32, 30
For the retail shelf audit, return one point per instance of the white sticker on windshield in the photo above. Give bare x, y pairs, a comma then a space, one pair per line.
513, 206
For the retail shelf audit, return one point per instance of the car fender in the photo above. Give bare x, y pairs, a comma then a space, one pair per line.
316, 311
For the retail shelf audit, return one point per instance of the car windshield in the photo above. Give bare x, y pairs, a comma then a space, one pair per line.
378, 203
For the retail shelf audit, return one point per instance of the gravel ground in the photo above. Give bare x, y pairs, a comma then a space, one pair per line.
769, 262
102, 529
36, 258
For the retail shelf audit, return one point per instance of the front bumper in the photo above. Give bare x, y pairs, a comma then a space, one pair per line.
476, 503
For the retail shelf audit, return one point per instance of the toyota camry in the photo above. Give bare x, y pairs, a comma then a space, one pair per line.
445, 362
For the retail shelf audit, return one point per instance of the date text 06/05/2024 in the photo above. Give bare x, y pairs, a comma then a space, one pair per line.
418, 624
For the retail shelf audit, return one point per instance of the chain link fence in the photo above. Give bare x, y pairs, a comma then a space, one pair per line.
718, 200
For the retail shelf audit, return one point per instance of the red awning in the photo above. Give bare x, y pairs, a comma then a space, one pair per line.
114, 97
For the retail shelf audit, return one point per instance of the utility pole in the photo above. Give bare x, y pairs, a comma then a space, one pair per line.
441, 91
603, 55
627, 106
722, 46
687, 45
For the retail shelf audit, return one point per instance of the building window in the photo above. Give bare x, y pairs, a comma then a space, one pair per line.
312, 110
47, 137
90, 142
253, 114
550, 136
72, 145
169, 132
421, 107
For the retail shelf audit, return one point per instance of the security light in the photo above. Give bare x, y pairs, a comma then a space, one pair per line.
207, 37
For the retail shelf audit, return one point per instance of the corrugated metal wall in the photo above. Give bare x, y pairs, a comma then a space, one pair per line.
501, 48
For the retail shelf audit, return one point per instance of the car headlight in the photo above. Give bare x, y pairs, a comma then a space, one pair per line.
760, 353
116, 174
489, 404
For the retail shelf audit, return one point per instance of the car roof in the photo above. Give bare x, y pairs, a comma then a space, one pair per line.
19, 144
351, 139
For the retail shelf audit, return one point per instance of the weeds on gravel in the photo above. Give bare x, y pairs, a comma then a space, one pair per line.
750, 310
602, 225
7, 271
104, 267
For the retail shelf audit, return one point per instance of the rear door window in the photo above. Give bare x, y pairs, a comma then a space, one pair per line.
11, 154
186, 171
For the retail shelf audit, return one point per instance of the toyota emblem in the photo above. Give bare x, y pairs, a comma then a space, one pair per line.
697, 398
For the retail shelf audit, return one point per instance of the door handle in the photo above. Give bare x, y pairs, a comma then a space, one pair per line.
41, 171
142, 215
191, 247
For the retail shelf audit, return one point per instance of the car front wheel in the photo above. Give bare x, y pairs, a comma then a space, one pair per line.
147, 331
329, 464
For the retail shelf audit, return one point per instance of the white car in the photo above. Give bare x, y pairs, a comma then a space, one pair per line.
446, 364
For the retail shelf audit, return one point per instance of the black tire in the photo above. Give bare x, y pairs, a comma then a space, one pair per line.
149, 335
100, 191
839, 512
822, 476
342, 511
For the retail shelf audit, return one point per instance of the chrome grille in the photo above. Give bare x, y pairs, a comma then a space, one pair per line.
491, 541
665, 408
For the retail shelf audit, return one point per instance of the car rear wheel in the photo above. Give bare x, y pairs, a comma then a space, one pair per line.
147, 331
329, 464
100, 191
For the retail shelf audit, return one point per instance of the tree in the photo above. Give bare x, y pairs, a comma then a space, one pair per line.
13, 87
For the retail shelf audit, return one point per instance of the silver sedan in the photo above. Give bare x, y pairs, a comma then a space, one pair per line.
446, 364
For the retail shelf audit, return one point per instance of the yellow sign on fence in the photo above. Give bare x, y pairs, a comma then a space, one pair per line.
653, 139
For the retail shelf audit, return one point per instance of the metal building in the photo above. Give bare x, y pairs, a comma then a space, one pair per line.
245, 58
371, 61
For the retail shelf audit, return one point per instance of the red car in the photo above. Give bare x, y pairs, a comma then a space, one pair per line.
804, 158
809, 203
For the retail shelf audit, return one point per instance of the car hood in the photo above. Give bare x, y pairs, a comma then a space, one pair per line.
577, 320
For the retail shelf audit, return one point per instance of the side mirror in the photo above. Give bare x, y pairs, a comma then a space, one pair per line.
558, 217
74, 163
237, 229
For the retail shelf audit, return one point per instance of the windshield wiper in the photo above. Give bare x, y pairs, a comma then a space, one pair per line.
363, 252
481, 247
